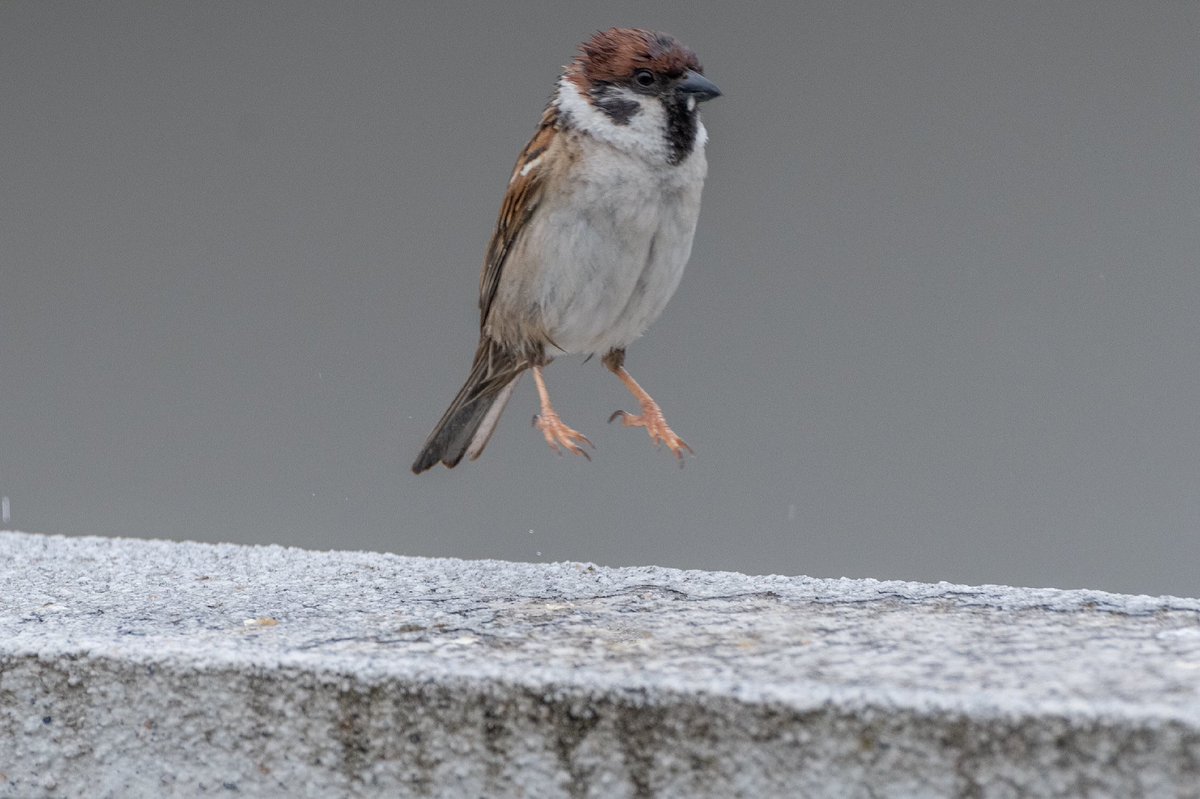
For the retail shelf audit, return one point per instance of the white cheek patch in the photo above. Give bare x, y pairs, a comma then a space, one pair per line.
644, 134
691, 102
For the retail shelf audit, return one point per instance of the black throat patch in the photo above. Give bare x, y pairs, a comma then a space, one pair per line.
683, 124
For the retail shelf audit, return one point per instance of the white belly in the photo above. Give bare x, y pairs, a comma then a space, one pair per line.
612, 253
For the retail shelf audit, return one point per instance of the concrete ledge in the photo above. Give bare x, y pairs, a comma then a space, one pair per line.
146, 668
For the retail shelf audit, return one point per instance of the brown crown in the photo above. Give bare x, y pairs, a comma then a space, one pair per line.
614, 54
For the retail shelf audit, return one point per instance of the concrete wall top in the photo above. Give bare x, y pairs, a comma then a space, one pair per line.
652, 637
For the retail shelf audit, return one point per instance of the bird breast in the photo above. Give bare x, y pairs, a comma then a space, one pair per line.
606, 249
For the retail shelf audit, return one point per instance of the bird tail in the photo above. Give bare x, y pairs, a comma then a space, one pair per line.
468, 423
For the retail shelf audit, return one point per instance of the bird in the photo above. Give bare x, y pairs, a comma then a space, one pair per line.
594, 232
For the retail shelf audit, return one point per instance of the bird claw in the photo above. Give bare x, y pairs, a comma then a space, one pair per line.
558, 435
656, 427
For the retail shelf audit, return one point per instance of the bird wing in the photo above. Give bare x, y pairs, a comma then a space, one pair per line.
526, 189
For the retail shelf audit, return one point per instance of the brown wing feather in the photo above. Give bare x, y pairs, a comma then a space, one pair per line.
525, 189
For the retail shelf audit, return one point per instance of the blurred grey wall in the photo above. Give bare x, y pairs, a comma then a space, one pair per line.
940, 320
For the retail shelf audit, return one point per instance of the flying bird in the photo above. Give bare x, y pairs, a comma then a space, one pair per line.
593, 236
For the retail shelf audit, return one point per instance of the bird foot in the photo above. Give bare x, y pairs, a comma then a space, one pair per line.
559, 435
656, 427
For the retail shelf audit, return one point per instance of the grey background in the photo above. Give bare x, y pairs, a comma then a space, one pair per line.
940, 320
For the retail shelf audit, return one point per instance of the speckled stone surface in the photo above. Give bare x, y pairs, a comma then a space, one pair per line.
145, 668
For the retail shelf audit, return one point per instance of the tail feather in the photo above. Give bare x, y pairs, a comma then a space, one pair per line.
468, 423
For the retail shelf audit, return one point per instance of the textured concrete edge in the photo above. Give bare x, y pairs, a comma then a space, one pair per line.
172, 729
139, 668
818, 589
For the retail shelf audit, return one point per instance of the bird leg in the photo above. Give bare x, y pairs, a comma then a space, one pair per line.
556, 433
651, 416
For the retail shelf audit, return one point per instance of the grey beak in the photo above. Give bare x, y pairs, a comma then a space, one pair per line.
698, 86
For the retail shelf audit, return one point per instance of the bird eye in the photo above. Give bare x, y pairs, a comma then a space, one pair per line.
644, 77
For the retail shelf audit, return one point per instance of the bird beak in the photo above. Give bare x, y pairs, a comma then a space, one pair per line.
698, 86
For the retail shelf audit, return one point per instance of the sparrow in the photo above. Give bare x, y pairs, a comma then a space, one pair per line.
593, 236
